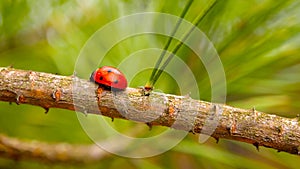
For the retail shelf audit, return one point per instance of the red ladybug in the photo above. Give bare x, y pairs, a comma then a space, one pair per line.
110, 78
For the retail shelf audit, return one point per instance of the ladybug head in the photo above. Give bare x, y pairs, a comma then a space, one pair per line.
92, 78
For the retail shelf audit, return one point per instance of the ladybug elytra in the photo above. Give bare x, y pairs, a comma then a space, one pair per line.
109, 77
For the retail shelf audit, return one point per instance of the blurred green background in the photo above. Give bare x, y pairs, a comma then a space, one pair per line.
257, 40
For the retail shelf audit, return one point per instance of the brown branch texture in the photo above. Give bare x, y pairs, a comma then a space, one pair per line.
60, 152
178, 112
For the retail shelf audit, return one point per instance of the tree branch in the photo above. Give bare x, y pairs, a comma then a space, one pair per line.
182, 113
60, 152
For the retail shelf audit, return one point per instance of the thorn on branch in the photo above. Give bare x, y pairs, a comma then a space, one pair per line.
149, 125
253, 110
188, 95
298, 117
256, 114
217, 139
228, 129
192, 131
74, 75
296, 150
85, 113
10, 66
46, 109
256, 144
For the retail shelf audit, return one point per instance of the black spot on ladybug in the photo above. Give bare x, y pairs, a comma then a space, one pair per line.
101, 78
109, 71
116, 81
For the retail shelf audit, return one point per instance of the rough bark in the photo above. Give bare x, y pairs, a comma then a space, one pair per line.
59, 152
179, 112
